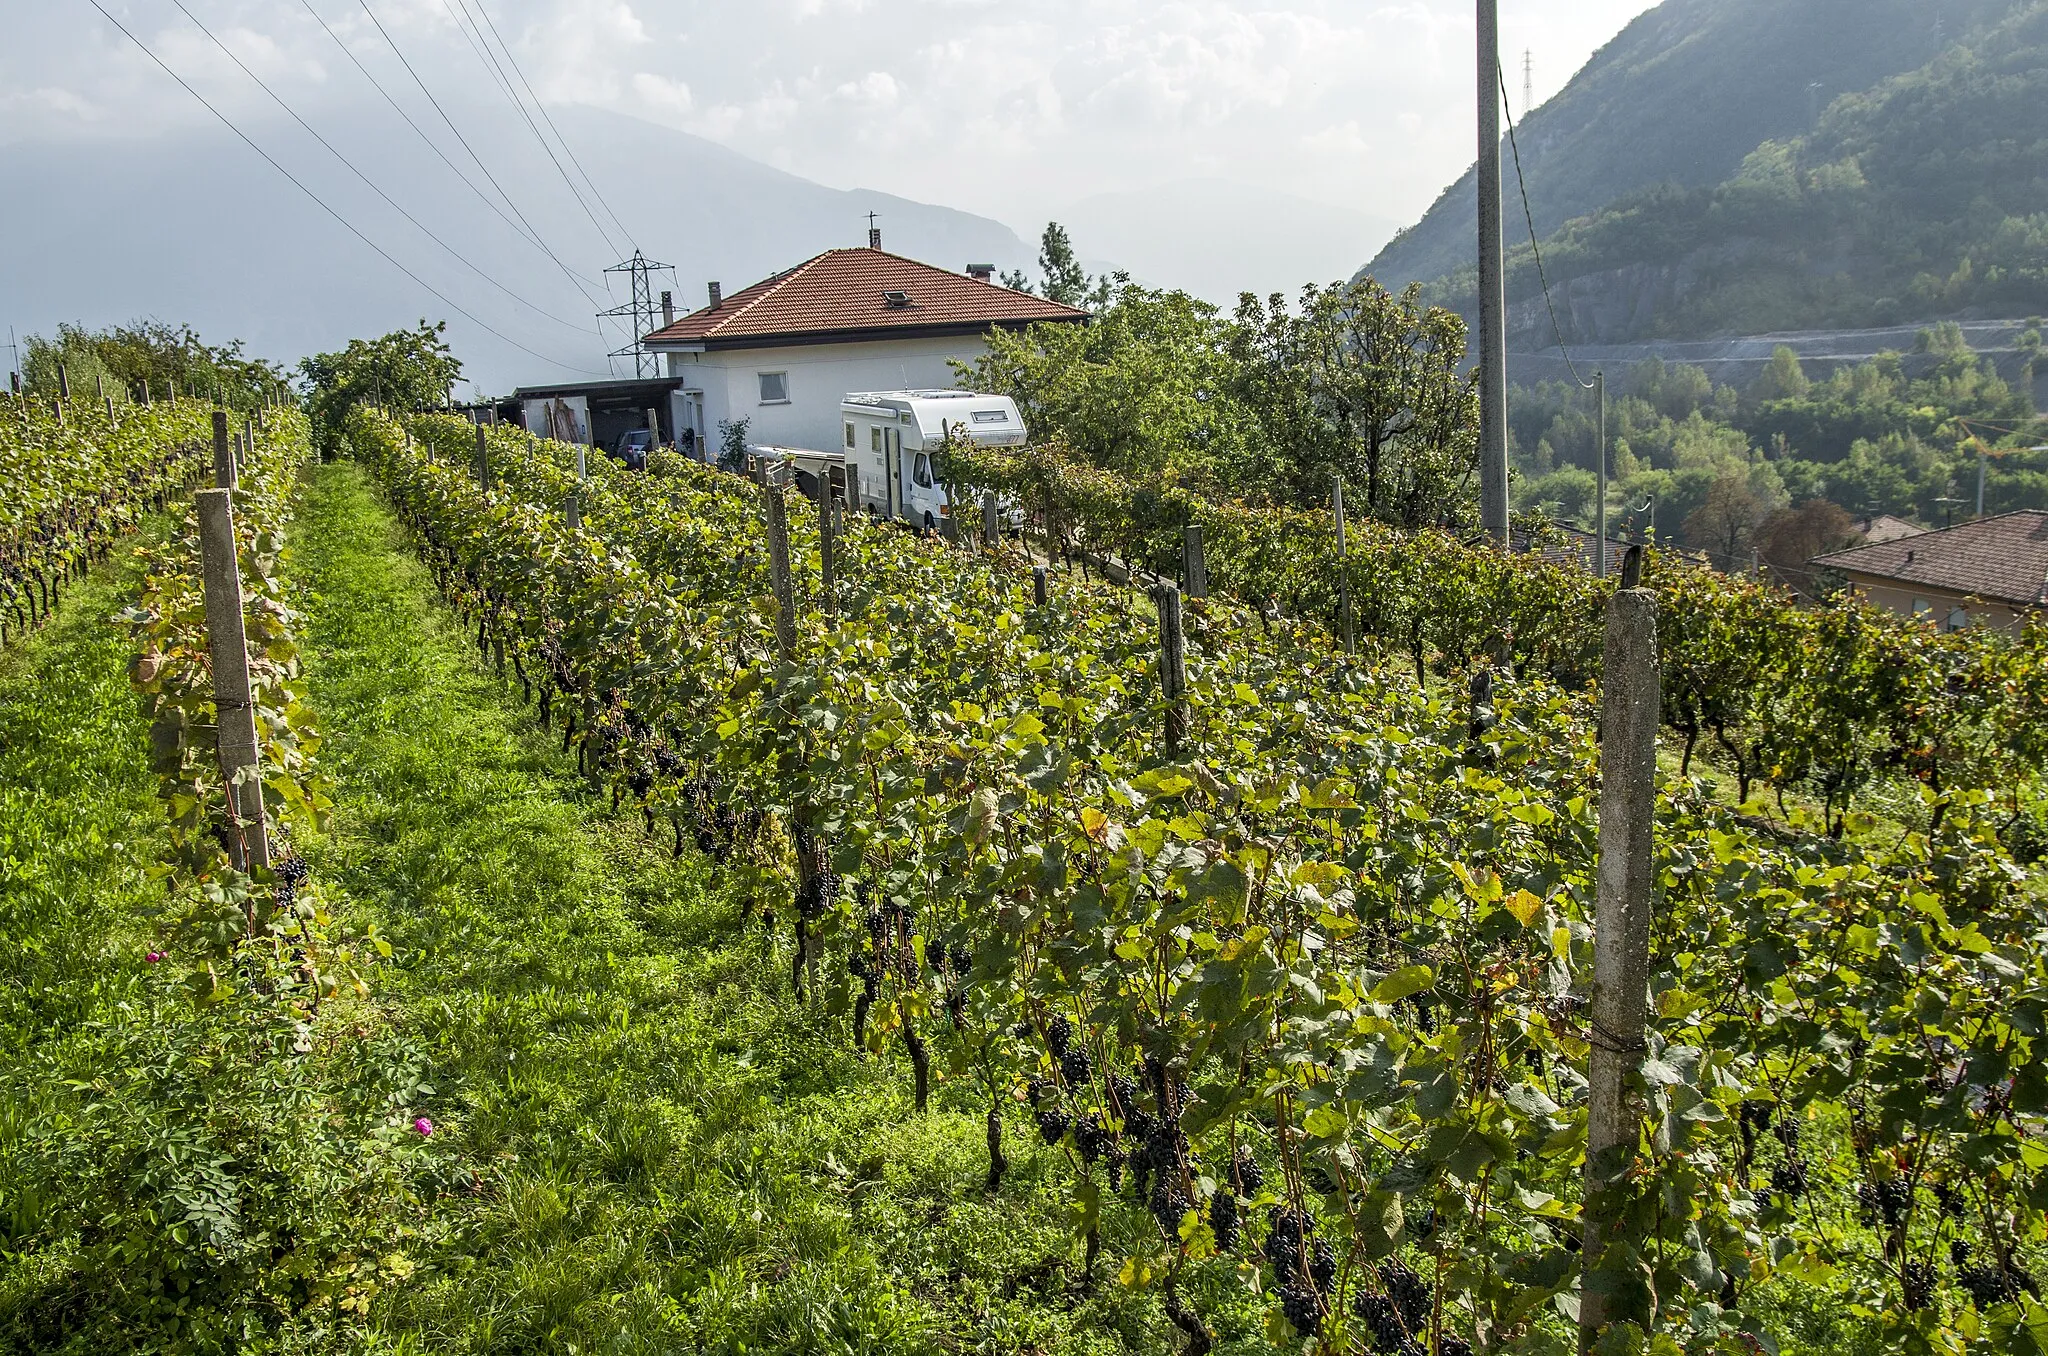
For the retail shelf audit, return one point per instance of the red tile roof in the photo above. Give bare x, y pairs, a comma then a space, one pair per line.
2003, 559
843, 295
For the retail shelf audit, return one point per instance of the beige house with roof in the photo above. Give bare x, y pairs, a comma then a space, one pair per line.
1991, 572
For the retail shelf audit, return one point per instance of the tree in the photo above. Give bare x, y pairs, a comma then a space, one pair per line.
406, 369
125, 358
1066, 282
1782, 378
1379, 375
1725, 523
1794, 536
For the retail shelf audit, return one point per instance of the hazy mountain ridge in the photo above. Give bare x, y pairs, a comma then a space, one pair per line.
1658, 123
206, 232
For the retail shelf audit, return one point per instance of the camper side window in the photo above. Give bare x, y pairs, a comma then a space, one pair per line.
923, 473
774, 388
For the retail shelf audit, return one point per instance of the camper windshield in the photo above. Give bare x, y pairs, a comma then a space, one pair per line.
922, 473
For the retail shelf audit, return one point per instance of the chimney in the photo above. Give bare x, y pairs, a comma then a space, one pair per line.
717, 295
874, 237
668, 309
981, 272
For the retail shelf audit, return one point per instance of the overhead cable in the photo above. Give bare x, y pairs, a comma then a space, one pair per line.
322, 204
350, 165
1534, 244
548, 118
432, 145
505, 87
399, 52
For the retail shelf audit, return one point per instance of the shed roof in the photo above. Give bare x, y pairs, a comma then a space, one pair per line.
845, 295
2004, 558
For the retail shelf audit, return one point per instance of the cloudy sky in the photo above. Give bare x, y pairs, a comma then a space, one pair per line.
1012, 108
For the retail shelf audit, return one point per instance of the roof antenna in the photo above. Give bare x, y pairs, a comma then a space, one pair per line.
874, 233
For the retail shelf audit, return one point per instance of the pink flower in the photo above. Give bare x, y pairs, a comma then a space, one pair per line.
424, 1126
153, 957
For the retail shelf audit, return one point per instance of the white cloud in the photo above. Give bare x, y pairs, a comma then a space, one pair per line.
990, 105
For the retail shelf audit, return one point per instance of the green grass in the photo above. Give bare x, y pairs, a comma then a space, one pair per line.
647, 1144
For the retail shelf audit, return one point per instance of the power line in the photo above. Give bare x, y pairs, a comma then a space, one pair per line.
1534, 245
394, 204
505, 87
548, 118
432, 145
322, 203
488, 176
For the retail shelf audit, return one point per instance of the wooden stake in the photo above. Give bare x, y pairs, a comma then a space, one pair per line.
1344, 620
225, 472
1173, 669
1629, 710
778, 567
235, 714
483, 460
828, 544
991, 523
1038, 586
1194, 565
63, 383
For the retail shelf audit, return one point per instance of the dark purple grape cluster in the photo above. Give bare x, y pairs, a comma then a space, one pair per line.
1052, 1124
1894, 1199
1091, 1137
1224, 1220
1950, 1200
1059, 1034
1245, 1168
1382, 1323
291, 874
1409, 1292
1123, 1095
1788, 1179
1304, 1268
1169, 1206
1075, 1067
1453, 1346
1918, 1280
1989, 1284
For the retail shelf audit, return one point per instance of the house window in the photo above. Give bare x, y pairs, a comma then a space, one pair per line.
1922, 608
774, 388
874, 440
1959, 619
849, 438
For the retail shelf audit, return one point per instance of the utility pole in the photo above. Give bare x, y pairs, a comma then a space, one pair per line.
640, 313
1493, 348
1528, 81
1600, 521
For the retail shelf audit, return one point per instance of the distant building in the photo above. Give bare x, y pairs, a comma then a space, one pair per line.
1991, 572
783, 353
1883, 527
594, 412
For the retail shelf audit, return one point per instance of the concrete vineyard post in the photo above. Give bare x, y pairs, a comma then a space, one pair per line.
63, 383
654, 429
224, 468
1173, 668
110, 410
777, 514
1193, 563
1038, 586
235, 714
483, 460
991, 523
1630, 698
1344, 620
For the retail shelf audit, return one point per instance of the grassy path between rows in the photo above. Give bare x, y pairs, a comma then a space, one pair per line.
641, 1142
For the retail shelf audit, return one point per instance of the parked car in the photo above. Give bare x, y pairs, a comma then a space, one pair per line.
633, 446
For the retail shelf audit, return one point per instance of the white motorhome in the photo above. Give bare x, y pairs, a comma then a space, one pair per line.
889, 438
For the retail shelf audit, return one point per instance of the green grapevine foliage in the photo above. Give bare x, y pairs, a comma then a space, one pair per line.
1307, 1002
76, 482
1827, 700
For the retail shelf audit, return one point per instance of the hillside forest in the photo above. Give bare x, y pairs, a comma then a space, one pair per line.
1273, 403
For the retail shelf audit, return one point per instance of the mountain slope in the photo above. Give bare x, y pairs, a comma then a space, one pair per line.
1925, 197
205, 231
1681, 97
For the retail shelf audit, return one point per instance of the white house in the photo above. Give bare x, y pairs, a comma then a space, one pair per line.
785, 352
